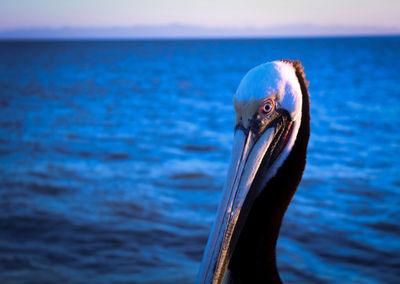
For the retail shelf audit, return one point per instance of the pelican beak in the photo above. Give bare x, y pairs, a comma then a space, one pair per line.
250, 168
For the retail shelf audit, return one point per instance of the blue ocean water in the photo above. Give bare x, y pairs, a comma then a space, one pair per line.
113, 155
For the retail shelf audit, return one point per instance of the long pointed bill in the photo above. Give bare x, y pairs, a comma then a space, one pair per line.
248, 155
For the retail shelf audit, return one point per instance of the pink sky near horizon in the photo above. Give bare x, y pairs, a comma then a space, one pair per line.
207, 13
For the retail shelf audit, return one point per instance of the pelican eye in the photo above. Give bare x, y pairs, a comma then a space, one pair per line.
267, 107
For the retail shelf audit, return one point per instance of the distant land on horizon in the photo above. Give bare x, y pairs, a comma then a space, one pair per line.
178, 31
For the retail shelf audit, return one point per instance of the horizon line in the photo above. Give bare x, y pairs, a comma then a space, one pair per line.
179, 24
180, 31
328, 36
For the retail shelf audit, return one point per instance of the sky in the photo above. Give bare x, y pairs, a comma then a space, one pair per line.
16, 14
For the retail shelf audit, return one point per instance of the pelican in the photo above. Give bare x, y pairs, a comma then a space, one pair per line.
272, 128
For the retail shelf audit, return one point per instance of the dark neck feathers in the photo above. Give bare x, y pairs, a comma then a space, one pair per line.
254, 258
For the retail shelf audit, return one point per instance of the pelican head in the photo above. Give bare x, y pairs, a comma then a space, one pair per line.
269, 110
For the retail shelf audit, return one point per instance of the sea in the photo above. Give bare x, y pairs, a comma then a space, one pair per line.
113, 154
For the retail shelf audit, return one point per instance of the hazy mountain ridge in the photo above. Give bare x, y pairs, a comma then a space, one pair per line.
187, 31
